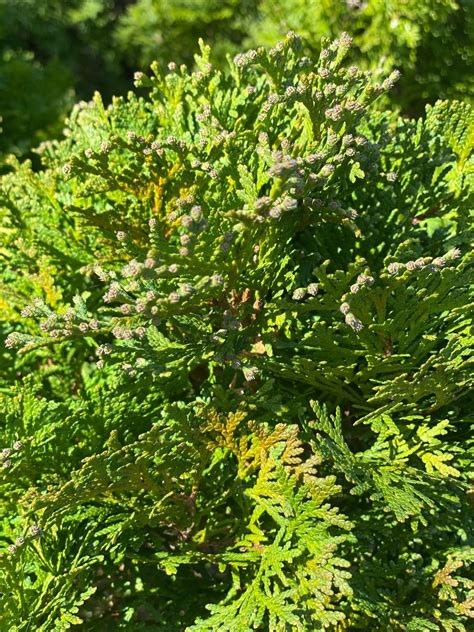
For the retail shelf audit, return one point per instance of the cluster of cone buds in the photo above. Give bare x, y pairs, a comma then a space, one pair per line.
300, 293
276, 54
428, 263
362, 280
6, 453
350, 318
34, 532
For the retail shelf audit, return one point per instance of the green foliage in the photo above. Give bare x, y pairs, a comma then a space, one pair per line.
237, 310
51, 52
430, 40
27, 117
55, 51
170, 30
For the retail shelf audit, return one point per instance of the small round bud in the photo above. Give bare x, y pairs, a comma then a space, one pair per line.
454, 253
104, 350
112, 293
35, 531
216, 280
299, 294
27, 312
364, 279
438, 262
196, 213
149, 263
290, 204
17, 445
140, 306
250, 373
312, 289
345, 40
186, 289
275, 212
393, 268
354, 322
334, 113
128, 369
327, 170
13, 340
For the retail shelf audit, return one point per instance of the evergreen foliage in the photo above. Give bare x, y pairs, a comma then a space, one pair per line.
53, 52
430, 40
235, 389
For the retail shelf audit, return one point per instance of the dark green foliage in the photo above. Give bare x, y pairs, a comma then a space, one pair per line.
51, 53
169, 30
238, 309
28, 116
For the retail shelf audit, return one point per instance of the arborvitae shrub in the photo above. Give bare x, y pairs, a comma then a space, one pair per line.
53, 51
239, 314
430, 40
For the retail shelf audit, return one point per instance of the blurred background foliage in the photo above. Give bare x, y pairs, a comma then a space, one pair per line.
52, 53
55, 52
